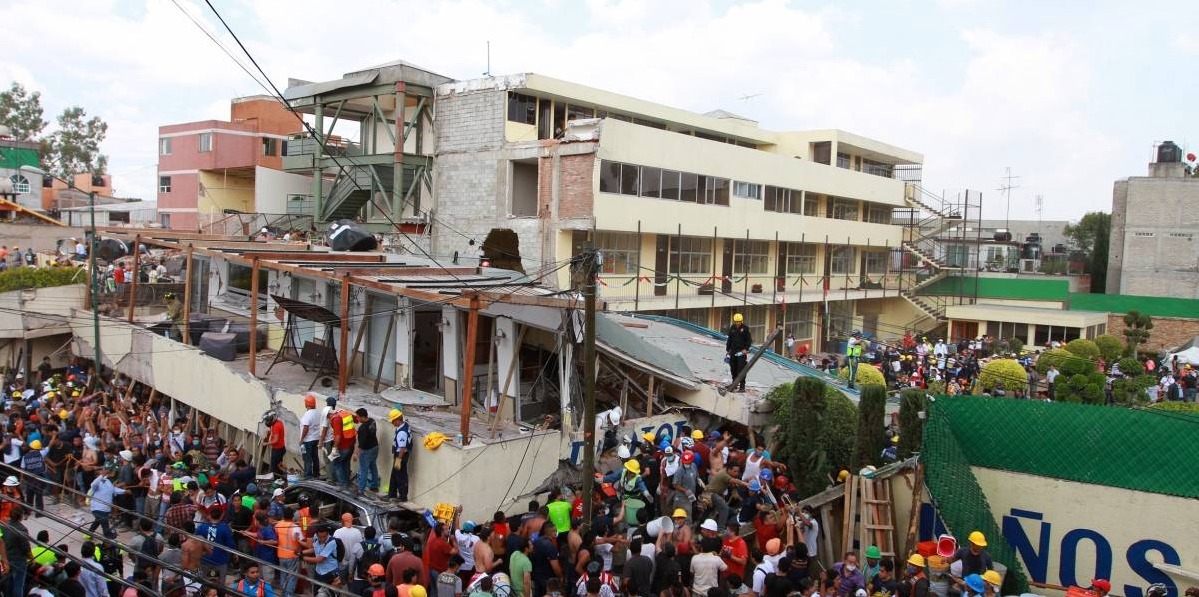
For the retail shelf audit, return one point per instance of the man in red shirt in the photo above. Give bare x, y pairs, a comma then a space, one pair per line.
734, 550
276, 440
438, 549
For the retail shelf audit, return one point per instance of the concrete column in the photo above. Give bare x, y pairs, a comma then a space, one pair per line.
405, 332
450, 358
317, 188
505, 349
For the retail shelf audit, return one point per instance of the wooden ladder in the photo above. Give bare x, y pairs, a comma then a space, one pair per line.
869, 516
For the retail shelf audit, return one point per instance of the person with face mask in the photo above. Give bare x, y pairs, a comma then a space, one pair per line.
915, 583
850, 576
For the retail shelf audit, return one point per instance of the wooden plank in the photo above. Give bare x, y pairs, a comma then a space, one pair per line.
826, 525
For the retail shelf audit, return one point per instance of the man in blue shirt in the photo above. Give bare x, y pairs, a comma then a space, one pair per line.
102, 493
323, 556
217, 531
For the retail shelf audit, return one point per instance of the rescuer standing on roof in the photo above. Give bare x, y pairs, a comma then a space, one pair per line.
737, 349
174, 315
397, 486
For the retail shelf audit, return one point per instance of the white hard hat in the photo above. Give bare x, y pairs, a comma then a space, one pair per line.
623, 452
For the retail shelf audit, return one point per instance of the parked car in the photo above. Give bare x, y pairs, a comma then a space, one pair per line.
328, 502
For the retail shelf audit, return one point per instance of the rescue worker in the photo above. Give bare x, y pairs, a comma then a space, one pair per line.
737, 349
853, 352
915, 583
974, 558
397, 486
175, 316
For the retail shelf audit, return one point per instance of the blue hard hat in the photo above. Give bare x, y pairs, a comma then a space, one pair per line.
975, 583
766, 474
469, 526
665, 444
755, 485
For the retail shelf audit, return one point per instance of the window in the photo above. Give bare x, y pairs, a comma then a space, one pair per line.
522, 108
878, 214
798, 319
716, 190
841, 259
747, 190
801, 259
578, 112
670, 184
843, 209
811, 205
690, 255
164, 146
270, 146
782, 200
843, 160
651, 182
620, 251
840, 317
628, 179
205, 141
164, 184
240, 279
609, 177
751, 256
524, 189
876, 262
877, 168
20, 184
688, 189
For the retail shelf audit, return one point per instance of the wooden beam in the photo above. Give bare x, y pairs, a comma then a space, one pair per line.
407, 271
370, 302
391, 325
137, 267
468, 367
314, 256
187, 296
343, 369
254, 319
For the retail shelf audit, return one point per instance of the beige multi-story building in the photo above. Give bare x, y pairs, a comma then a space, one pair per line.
697, 215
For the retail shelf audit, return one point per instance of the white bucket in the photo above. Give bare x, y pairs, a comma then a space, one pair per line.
660, 525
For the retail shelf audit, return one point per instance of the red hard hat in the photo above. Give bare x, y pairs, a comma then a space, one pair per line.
688, 456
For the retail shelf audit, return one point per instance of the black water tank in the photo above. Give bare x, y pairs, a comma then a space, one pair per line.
1003, 235
1168, 153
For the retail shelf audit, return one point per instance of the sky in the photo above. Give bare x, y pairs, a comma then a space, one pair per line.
1071, 96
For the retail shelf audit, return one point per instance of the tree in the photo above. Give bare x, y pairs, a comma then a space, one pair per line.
1110, 347
1091, 235
22, 112
800, 417
75, 147
871, 436
1137, 327
911, 426
840, 426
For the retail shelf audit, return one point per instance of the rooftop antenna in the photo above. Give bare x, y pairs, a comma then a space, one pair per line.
487, 73
1006, 188
746, 98
1040, 207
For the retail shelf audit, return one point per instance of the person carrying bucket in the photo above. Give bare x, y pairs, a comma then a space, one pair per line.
974, 557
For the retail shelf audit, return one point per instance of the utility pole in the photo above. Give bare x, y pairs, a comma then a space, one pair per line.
590, 264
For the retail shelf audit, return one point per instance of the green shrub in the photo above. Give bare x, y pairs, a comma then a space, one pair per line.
1081, 347
1189, 408
799, 417
1130, 390
1054, 357
867, 375
1015, 345
911, 426
840, 426
1130, 367
22, 278
1110, 347
1084, 388
871, 437
1003, 373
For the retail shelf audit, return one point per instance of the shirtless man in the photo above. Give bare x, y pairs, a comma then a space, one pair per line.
485, 560
193, 551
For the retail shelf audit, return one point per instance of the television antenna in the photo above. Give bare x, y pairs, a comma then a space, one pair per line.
1039, 204
487, 73
1006, 188
747, 97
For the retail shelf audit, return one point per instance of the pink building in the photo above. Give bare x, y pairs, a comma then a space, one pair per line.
207, 169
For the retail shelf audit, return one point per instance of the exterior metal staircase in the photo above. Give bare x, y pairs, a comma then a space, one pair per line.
352, 191
930, 218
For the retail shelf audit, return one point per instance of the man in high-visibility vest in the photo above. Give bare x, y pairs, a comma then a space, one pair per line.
853, 352
290, 545
341, 424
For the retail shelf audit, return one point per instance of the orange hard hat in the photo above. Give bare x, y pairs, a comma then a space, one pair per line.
310, 401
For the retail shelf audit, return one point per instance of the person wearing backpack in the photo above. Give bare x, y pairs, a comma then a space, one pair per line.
345, 436
323, 556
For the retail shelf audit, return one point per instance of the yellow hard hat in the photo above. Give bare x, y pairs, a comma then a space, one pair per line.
417, 591
633, 467
842, 476
697, 434
679, 513
394, 414
916, 560
992, 578
737, 318
649, 437
977, 538
895, 439
63, 414
16, 394
35, 444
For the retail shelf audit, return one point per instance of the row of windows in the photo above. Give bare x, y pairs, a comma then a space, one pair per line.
658, 183
692, 255
269, 145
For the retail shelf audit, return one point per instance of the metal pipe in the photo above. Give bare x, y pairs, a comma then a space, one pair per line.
254, 318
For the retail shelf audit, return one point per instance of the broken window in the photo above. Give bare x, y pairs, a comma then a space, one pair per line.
522, 108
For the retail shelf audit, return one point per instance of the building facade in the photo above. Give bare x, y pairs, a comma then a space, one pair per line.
26, 188
697, 215
210, 168
1154, 250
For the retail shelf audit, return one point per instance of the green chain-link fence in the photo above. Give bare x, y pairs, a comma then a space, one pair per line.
1117, 447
